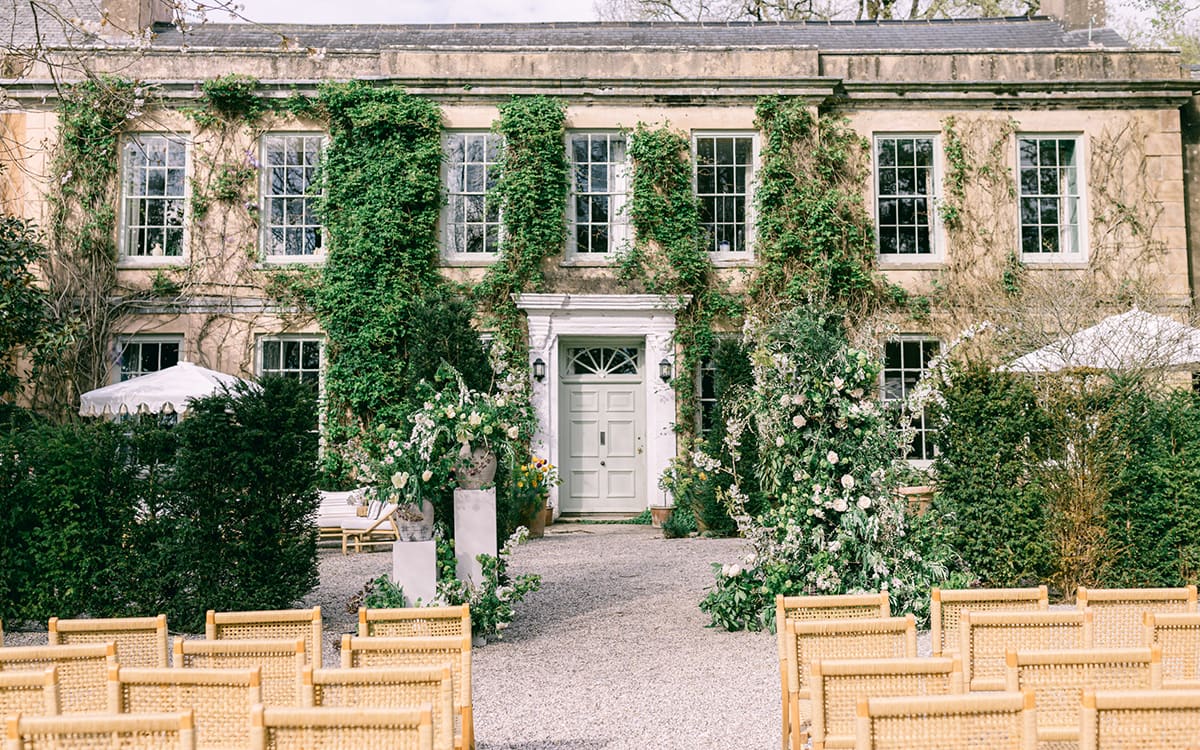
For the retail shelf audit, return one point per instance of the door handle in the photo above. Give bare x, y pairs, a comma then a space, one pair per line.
602, 437
602, 463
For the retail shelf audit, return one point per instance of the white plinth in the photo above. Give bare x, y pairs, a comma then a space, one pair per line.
474, 531
414, 569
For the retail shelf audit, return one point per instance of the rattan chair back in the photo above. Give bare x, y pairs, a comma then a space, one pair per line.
432, 652
342, 728
420, 622
1118, 613
986, 637
1058, 679
386, 687
280, 661
33, 693
1179, 637
947, 605
170, 731
220, 698
141, 641
1001, 721
833, 607
838, 684
1141, 719
275, 624
82, 671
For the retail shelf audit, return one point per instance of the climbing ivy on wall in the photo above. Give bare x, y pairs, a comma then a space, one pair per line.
533, 178
382, 198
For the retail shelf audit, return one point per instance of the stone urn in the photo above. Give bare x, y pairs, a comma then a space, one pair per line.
415, 522
476, 470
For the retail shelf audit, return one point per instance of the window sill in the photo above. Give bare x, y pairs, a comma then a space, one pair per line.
1056, 262
482, 261
277, 261
731, 260
149, 262
923, 263
583, 261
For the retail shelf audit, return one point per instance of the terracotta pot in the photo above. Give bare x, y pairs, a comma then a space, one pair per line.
477, 471
659, 515
537, 524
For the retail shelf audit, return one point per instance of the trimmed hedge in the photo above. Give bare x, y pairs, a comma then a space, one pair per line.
104, 520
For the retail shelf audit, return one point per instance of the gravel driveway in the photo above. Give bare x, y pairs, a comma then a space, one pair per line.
611, 653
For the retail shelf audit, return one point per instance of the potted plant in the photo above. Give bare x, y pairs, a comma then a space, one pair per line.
530, 493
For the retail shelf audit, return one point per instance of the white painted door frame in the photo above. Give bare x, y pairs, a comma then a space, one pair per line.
648, 317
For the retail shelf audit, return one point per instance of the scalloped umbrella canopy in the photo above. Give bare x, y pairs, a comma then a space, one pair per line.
1133, 340
167, 390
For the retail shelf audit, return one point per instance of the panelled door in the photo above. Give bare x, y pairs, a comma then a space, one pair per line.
603, 429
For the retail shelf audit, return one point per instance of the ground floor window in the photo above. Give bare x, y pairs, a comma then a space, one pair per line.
145, 354
291, 356
905, 360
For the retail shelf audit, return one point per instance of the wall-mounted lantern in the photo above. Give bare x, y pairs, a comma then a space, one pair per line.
664, 370
539, 370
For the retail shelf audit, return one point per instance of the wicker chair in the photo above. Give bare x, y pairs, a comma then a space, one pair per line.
386, 687
171, 731
432, 652
1003, 721
838, 684
1179, 637
1142, 719
986, 637
371, 531
220, 698
1118, 612
268, 625
33, 693
281, 662
807, 641
82, 671
836, 607
1059, 678
141, 641
947, 605
415, 621
342, 728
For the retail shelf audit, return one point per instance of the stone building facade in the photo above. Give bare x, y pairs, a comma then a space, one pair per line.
1084, 130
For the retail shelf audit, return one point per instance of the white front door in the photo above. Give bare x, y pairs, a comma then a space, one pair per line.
603, 442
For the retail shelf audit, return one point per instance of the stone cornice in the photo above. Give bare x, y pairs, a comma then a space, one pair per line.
648, 303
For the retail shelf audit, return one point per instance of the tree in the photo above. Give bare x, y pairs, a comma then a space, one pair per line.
1164, 23
24, 308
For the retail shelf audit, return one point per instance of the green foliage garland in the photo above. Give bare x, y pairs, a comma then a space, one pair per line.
24, 306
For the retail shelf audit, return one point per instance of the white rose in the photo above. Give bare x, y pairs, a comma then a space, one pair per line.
513, 433
426, 475
475, 419
400, 479
798, 420
848, 481
831, 457
785, 400
864, 502
779, 442
500, 402
840, 505
838, 383
735, 570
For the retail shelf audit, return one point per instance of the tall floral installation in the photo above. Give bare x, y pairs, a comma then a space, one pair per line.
828, 464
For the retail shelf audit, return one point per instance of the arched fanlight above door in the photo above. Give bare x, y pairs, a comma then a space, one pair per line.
603, 361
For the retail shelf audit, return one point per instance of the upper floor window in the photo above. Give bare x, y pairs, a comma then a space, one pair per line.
1051, 213
145, 354
290, 189
724, 172
904, 195
598, 186
472, 218
291, 356
152, 194
904, 363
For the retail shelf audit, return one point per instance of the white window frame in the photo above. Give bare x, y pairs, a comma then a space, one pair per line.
124, 340
264, 184
124, 245
705, 365
919, 421
619, 231
732, 257
936, 238
1060, 257
449, 255
282, 338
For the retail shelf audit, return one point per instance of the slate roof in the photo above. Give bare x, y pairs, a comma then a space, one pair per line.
998, 33
61, 23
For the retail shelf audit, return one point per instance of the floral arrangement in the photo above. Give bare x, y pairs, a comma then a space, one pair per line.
492, 601
454, 416
829, 461
531, 485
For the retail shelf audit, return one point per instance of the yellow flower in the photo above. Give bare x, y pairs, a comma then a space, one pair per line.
702, 476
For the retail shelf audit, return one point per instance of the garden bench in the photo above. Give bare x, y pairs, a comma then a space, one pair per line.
280, 660
807, 641
336, 508
1117, 613
947, 605
1058, 679
270, 624
838, 684
1142, 719
141, 641
33, 693
833, 607
82, 671
1002, 721
985, 638
386, 687
220, 699
89, 731
428, 652
341, 728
